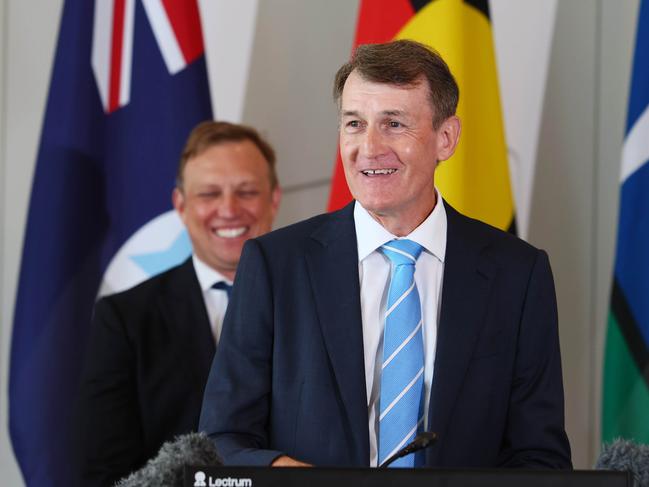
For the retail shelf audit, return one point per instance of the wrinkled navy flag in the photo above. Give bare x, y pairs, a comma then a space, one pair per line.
105, 167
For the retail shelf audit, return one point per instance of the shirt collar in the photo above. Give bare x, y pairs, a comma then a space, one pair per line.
206, 275
430, 234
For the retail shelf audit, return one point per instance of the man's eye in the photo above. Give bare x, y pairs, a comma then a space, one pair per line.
248, 194
209, 194
353, 123
394, 124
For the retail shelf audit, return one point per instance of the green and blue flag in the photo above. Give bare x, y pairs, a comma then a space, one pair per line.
625, 412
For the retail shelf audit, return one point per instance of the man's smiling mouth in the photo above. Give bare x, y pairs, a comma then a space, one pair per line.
230, 232
378, 172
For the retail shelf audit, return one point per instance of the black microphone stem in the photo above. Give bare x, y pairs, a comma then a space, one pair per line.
421, 441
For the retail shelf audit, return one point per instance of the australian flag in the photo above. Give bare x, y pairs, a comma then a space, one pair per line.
128, 84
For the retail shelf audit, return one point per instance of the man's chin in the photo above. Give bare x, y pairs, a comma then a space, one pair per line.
376, 206
225, 265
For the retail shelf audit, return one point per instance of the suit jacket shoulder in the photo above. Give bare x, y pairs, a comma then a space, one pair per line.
177, 281
500, 245
323, 228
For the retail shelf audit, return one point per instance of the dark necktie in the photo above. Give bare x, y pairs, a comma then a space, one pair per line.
223, 286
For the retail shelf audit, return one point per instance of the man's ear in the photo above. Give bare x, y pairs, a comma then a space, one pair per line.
178, 200
448, 137
276, 198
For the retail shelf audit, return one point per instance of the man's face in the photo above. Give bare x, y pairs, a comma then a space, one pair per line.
390, 149
225, 200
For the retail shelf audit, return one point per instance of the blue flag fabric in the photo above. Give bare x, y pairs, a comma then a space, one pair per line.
99, 177
632, 257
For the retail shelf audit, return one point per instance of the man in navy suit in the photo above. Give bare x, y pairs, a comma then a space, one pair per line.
308, 372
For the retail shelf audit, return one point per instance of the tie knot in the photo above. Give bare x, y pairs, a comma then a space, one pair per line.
402, 252
223, 286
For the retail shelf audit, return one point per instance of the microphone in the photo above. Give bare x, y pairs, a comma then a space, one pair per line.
167, 468
626, 456
421, 441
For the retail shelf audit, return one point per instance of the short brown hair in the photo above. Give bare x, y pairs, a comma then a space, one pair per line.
210, 133
404, 63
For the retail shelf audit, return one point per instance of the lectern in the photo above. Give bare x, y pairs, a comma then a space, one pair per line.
423, 477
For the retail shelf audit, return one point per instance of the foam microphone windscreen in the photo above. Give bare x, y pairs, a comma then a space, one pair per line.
166, 469
626, 456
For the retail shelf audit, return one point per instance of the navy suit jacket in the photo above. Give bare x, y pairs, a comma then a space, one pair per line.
147, 362
289, 377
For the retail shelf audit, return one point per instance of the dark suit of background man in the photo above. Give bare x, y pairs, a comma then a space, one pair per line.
151, 346
298, 374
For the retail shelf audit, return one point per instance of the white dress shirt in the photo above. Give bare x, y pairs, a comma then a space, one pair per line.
374, 270
216, 300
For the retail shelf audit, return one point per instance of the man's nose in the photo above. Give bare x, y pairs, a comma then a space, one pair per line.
372, 144
229, 206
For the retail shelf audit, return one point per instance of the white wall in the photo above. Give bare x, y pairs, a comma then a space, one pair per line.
6, 460
522, 74
573, 207
562, 213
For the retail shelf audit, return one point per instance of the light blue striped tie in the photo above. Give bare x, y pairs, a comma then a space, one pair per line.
402, 374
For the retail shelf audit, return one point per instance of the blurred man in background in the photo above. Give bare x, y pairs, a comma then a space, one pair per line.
151, 347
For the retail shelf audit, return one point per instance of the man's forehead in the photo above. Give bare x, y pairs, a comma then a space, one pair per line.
224, 160
383, 99
359, 88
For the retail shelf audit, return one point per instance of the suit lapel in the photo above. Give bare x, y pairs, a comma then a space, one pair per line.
183, 308
332, 261
467, 279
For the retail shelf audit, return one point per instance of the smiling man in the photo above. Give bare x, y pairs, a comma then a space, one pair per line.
151, 347
395, 315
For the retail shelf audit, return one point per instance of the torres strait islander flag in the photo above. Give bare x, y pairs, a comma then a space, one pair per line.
625, 411
476, 179
128, 84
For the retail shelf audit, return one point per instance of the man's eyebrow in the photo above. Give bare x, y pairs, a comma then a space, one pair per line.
207, 186
390, 113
